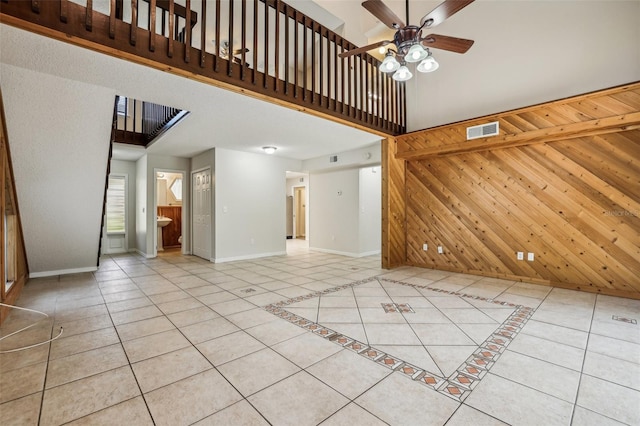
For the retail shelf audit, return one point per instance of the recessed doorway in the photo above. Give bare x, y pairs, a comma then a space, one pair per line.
300, 212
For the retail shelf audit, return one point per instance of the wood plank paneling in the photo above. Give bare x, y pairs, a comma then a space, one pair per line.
393, 207
572, 200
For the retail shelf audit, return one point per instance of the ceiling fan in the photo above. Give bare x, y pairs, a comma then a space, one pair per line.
226, 52
409, 43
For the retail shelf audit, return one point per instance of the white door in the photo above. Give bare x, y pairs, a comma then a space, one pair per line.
202, 214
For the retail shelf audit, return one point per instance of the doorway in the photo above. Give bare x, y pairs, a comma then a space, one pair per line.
202, 201
169, 208
300, 212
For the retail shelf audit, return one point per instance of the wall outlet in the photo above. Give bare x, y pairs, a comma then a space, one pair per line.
253, 241
530, 257
440, 250
520, 255
425, 247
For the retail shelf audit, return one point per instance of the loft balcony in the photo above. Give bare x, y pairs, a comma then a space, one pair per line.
264, 48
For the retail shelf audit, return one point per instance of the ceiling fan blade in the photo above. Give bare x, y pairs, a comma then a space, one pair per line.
378, 9
443, 11
363, 49
452, 44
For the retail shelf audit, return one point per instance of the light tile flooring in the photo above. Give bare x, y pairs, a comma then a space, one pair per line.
314, 338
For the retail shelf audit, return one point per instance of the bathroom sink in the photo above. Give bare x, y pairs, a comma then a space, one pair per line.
163, 221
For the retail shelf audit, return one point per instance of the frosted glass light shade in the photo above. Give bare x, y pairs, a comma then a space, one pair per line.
269, 149
416, 53
389, 64
428, 65
403, 74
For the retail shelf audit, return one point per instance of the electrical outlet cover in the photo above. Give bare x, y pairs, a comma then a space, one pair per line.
425, 247
520, 255
440, 250
530, 257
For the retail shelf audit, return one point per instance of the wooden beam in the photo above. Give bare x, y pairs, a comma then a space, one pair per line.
601, 126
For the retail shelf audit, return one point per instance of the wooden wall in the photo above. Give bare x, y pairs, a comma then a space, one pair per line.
13, 255
561, 180
393, 207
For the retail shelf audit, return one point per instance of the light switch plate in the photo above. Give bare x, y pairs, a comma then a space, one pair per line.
530, 257
520, 255
425, 247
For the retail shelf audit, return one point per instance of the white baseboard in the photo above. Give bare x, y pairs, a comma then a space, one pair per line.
145, 255
345, 253
248, 257
62, 272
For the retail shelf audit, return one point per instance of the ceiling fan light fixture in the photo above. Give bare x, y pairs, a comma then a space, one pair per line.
269, 149
403, 74
428, 65
416, 53
389, 64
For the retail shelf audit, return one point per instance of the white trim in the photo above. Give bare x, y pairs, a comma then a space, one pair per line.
344, 253
62, 272
145, 255
247, 257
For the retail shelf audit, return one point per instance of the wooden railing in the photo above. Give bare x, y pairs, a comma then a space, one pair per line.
265, 47
140, 123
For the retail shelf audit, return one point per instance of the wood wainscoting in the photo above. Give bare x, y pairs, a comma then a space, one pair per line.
172, 232
561, 181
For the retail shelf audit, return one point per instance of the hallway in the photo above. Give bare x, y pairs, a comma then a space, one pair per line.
314, 338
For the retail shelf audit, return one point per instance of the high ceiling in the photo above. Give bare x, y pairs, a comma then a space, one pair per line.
525, 52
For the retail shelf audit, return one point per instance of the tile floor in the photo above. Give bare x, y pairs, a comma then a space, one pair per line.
314, 338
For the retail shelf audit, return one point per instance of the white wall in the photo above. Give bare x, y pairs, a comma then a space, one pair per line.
250, 204
59, 140
346, 212
333, 216
141, 206
362, 157
208, 160
370, 216
128, 168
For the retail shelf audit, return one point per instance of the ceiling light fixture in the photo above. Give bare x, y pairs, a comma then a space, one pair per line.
269, 149
396, 62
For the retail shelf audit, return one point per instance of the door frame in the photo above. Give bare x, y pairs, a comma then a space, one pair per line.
183, 225
105, 238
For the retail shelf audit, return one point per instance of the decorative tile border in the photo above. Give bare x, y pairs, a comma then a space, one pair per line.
459, 384
397, 307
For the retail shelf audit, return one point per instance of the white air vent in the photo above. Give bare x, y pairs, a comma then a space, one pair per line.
483, 130
333, 159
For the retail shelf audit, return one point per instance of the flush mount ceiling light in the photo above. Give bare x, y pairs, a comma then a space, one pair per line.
269, 149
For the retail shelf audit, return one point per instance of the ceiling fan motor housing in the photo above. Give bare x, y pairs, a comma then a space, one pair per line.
407, 37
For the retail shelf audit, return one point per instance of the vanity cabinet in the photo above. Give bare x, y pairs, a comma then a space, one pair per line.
172, 231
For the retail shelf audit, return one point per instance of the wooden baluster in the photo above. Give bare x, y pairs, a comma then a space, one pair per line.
112, 19
203, 33
216, 59
35, 6
296, 41
88, 22
313, 61
286, 48
134, 22
350, 78
304, 56
277, 47
255, 42
230, 63
64, 11
336, 82
152, 25
266, 43
362, 65
341, 72
171, 29
187, 39
126, 113
320, 63
243, 48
